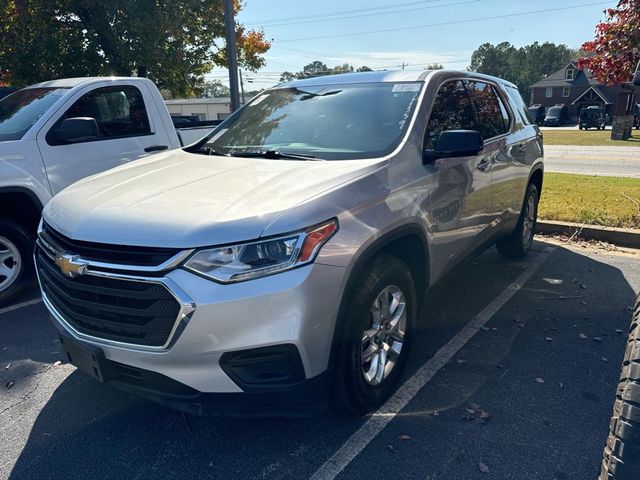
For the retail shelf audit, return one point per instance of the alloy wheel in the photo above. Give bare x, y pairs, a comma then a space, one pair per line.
383, 339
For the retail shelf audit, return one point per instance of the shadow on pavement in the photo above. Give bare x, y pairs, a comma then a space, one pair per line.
90, 429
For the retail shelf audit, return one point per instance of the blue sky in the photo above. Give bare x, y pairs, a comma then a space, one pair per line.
415, 32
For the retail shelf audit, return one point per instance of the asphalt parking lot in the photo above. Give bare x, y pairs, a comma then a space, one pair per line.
513, 372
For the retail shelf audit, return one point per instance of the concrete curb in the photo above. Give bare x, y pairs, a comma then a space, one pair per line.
624, 237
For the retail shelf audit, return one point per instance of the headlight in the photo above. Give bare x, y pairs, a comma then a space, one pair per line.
245, 261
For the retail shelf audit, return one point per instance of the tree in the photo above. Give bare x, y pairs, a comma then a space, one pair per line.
434, 66
318, 68
522, 66
175, 43
615, 51
215, 88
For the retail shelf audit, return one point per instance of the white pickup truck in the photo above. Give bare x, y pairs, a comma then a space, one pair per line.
55, 133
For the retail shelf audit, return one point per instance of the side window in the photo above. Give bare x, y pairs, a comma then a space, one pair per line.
118, 112
491, 116
520, 107
451, 110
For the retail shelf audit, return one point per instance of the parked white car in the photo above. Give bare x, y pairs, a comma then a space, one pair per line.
55, 133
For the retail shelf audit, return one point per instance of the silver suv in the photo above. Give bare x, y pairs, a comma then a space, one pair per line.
281, 262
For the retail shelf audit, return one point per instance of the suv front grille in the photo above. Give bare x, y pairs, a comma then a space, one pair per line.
108, 253
123, 310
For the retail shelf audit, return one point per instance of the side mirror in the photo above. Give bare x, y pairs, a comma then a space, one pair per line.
78, 129
636, 76
455, 143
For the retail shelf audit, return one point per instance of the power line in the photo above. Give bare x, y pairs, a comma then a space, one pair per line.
332, 14
370, 14
453, 22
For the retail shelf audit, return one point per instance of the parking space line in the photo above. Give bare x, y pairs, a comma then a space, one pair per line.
20, 305
376, 423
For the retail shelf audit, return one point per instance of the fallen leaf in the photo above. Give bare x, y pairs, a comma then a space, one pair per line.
539, 380
520, 325
597, 339
561, 385
461, 361
583, 302
483, 468
494, 329
604, 359
484, 329
391, 447
618, 331
548, 339
7, 366
404, 438
10, 384
582, 336
582, 285
57, 363
475, 406
435, 413
471, 411
485, 416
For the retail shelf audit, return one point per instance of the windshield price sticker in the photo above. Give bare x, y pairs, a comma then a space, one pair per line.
406, 87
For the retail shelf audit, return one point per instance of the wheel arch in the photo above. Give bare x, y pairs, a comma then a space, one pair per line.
22, 206
536, 177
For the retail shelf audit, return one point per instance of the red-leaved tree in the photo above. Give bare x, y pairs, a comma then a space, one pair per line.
613, 54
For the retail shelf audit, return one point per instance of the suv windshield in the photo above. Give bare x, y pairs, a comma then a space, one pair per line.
20, 110
554, 112
332, 122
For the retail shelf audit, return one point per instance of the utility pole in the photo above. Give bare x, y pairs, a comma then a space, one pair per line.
242, 87
230, 25
404, 65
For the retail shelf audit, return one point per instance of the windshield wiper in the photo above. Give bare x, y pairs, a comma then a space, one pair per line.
211, 151
271, 154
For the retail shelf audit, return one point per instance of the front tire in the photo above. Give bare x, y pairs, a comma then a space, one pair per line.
621, 459
16, 262
373, 335
519, 242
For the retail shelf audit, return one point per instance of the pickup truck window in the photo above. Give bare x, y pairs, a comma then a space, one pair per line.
331, 122
22, 109
118, 112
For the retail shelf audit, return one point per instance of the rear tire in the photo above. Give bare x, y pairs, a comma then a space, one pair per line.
16, 260
372, 341
519, 242
622, 451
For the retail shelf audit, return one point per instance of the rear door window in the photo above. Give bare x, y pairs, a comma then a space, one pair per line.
491, 116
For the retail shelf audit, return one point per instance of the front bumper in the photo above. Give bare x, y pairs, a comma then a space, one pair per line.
296, 308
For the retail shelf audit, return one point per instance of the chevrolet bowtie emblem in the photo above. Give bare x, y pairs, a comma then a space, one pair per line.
70, 266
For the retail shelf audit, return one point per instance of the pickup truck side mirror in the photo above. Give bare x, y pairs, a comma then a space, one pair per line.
455, 143
78, 129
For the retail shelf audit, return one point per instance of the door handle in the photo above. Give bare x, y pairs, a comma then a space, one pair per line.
483, 165
156, 148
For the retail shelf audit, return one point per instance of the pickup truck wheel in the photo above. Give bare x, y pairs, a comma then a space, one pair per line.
518, 243
622, 450
16, 263
373, 335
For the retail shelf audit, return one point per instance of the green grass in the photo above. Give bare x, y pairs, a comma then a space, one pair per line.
607, 201
588, 138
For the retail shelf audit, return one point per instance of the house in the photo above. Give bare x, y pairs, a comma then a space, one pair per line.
576, 89
204, 108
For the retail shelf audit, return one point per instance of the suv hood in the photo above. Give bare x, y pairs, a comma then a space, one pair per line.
183, 200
